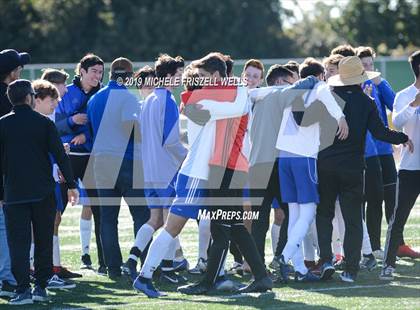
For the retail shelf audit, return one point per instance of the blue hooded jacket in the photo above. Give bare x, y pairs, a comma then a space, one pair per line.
74, 102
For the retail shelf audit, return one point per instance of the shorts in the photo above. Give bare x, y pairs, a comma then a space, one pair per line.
160, 198
298, 179
190, 193
58, 198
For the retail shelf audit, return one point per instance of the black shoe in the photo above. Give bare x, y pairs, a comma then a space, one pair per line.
86, 262
7, 290
129, 269
114, 274
102, 271
193, 289
262, 285
64, 273
172, 277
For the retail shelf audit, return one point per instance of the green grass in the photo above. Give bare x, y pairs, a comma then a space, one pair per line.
96, 292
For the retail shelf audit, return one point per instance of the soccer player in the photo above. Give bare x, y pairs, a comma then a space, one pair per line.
144, 79
163, 153
58, 79
297, 168
384, 98
406, 115
71, 122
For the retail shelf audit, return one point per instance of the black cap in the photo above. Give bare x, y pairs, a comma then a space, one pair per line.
10, 59
17, 91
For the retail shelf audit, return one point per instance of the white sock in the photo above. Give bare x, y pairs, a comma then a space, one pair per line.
308, 247
56, 252
156, 253
31, 257
275, 234
143, 236
133, 257
366, 246
302, 216
298, 261
204, 236
338, 231
85, 234
179, 255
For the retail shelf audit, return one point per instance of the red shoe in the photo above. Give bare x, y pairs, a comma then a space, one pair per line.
64, 273
405, 251
310, 264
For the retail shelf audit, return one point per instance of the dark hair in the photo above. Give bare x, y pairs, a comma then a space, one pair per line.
277, 71
190, 78
256, 64
310, 67
143, 76
166, 64
44, 89
345, 50
292, 66
333, 60
414, 61
121, 67
211, 63
54, 75
365, 51
18, 90
88, 61
228, 60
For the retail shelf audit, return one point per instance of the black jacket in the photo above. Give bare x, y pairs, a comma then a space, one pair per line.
361, 115
27, 139
5, 105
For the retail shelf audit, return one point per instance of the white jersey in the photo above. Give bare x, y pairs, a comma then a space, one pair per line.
407, 118
305, 141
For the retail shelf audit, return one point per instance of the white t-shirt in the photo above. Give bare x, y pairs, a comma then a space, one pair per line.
407, 118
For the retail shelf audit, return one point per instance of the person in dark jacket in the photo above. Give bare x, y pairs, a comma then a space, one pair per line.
11, 65
27, 139
71, 122
341, 165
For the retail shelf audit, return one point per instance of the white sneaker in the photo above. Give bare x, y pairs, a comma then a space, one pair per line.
379, 255
55, 283
200, 268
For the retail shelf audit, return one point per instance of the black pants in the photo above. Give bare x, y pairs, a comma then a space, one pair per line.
283, 231
79, 165
374, 195
265, 183
18, 224
348, 186
408, 187
228, 183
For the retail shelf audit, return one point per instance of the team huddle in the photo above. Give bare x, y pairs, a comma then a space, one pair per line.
313, 145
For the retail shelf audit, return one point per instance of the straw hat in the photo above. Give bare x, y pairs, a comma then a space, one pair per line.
351, 72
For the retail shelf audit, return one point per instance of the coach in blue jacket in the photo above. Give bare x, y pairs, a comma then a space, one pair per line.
113, 114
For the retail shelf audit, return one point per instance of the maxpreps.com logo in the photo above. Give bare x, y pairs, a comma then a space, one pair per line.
227, 215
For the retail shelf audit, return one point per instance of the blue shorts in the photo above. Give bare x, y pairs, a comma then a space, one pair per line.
190, 193
59, 205
298, 179
160, 198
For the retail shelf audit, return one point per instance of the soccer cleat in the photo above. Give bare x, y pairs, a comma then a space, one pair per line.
7, 290
172, 277
181, 265
327, 270
226, 285
55, 283
102, 271
145, 286
284, 270
387, 273
200, 268
193, 289
129, 269
40, 294
347, 277
275, 264
368, 262
24, 298
405, 251
308, 277
64, 273
379, 254
86, 262
237, 268
260, 286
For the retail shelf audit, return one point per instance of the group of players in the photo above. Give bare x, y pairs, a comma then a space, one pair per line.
313, 145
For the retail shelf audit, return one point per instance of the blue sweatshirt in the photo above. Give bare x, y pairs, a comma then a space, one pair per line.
113, 114
384, 98
161, 146
74, 102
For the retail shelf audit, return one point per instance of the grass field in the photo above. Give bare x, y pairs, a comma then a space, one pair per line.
97, 292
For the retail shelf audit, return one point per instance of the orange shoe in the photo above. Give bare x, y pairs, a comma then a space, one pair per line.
405, 251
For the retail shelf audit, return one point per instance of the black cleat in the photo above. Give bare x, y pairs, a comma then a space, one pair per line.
193, 289
260, 286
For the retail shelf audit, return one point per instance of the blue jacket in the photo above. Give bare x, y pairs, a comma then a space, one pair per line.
74, 102
384, 98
